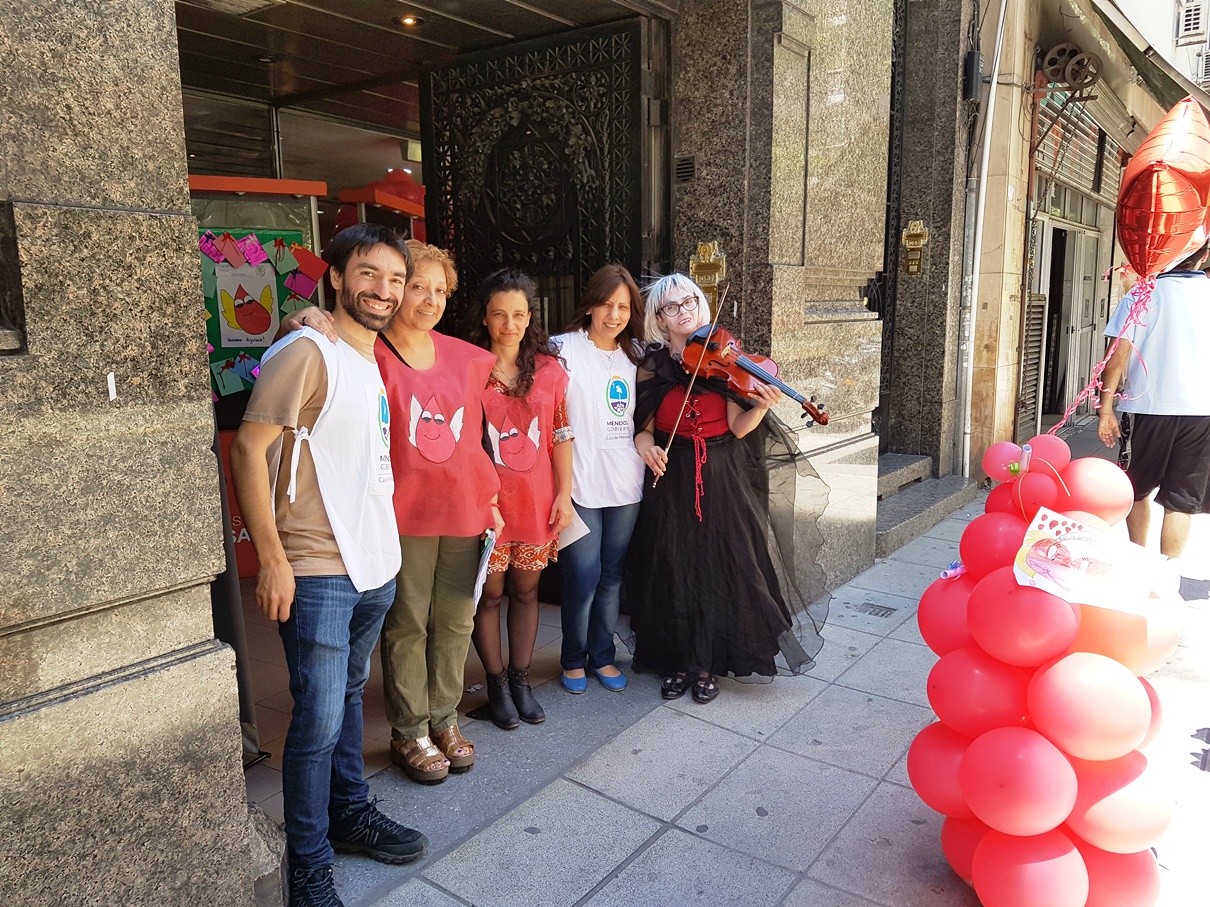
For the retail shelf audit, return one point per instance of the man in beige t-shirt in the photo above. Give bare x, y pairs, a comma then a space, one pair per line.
311, 465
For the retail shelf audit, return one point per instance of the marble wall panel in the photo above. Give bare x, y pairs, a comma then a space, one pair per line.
848, 523
127, 790
92, 110
48, 655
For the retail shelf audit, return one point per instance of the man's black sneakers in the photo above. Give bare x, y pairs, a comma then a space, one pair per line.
370, 832
313, 888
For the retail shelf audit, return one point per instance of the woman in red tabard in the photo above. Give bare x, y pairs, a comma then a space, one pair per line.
527, 427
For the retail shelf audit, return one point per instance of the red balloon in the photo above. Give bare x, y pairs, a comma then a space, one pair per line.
1118, 879
1010, 871
1000, 499
1033, 491
1097, 486
1002, 460
1017, 781
1019, 625
1141, 642
1089, 706
973, 693
1157, 713
1048, 454
1091, 520
959, 838
1122, 805
942, 614
1161, 208
932, 766
990, 541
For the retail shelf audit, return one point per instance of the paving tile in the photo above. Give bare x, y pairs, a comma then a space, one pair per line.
416, 892
909, 631
663, 763
895, 669
550, 616
273, 808
854, 730
268, 677
809, 893
898, 773
890, 852
949, 530
753, 709
682, 869
896, 578
869, 610
270, 723
539, 847
842, 648
263, 781
928, 552
778, 806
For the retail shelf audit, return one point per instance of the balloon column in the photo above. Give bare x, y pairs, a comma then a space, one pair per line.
1036, 760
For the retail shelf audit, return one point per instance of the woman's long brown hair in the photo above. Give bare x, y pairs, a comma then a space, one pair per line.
602, 285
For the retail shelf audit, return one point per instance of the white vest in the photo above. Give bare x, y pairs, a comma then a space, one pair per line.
351, 446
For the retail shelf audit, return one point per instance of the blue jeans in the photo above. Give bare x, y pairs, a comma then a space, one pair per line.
592, 580
328, 641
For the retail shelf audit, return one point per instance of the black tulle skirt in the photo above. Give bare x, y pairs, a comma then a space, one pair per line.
705, 594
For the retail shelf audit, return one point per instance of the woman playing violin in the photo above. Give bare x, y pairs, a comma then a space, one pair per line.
708, 594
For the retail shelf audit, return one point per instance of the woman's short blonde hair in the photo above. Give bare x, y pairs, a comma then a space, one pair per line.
424, 252
676, 286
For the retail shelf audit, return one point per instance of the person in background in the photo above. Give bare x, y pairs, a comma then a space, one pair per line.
530, 437
324, 531
706, 595
601, 350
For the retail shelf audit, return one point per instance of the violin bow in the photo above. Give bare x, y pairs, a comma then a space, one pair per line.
693, 376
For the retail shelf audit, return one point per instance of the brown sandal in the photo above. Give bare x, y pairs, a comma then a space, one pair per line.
420, 760
449, 741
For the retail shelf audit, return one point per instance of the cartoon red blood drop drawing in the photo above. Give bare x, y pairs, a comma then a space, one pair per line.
431, 433
517, 451
251, 314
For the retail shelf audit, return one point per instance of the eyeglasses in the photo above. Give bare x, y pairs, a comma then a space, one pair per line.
688, 304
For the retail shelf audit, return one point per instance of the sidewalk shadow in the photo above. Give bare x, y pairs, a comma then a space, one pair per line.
1193, 590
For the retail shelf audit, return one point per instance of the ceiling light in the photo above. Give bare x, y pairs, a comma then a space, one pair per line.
407, 170
410, 21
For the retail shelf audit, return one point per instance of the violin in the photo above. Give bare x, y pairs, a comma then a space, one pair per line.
717, 354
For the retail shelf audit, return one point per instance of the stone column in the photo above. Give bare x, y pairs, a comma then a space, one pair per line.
120, 768
921, 418
784, 106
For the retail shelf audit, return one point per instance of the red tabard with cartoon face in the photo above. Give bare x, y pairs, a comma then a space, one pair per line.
444, 480
521, 432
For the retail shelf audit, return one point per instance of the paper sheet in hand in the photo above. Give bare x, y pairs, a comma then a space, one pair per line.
575, 530
489, 545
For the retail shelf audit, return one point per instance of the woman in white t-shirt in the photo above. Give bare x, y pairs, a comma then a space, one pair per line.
601, 350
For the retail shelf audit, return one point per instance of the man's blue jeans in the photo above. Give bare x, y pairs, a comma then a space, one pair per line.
328, 641
592, 580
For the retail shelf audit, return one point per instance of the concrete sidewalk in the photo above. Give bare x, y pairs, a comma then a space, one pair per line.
793, 793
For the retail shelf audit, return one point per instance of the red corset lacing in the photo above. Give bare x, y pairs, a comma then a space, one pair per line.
705, 417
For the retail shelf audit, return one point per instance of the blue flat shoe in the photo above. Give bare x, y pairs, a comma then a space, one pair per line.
613, 684
574, 684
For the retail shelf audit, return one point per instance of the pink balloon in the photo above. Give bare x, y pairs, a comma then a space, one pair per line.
959, 838
990, 541
999, 460
1118, 879
1016, 781
942, 614
1089, 706
1141, 642
1046, 869
973, 693
1019, 625
932, 766
1000, 499
1033, 491
1122, 805
1097, 486
1048, 454
1157, 713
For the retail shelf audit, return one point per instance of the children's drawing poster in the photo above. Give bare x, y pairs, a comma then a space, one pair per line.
246, 296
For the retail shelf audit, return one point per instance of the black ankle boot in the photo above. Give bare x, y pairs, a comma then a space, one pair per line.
523, 696
499, 703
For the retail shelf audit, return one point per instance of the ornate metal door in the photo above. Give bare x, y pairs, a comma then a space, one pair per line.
551, 155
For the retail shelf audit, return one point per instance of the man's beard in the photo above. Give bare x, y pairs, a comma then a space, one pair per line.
371, 321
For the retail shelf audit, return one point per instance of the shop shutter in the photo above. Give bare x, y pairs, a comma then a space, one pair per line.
1069, 150
1032, 344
